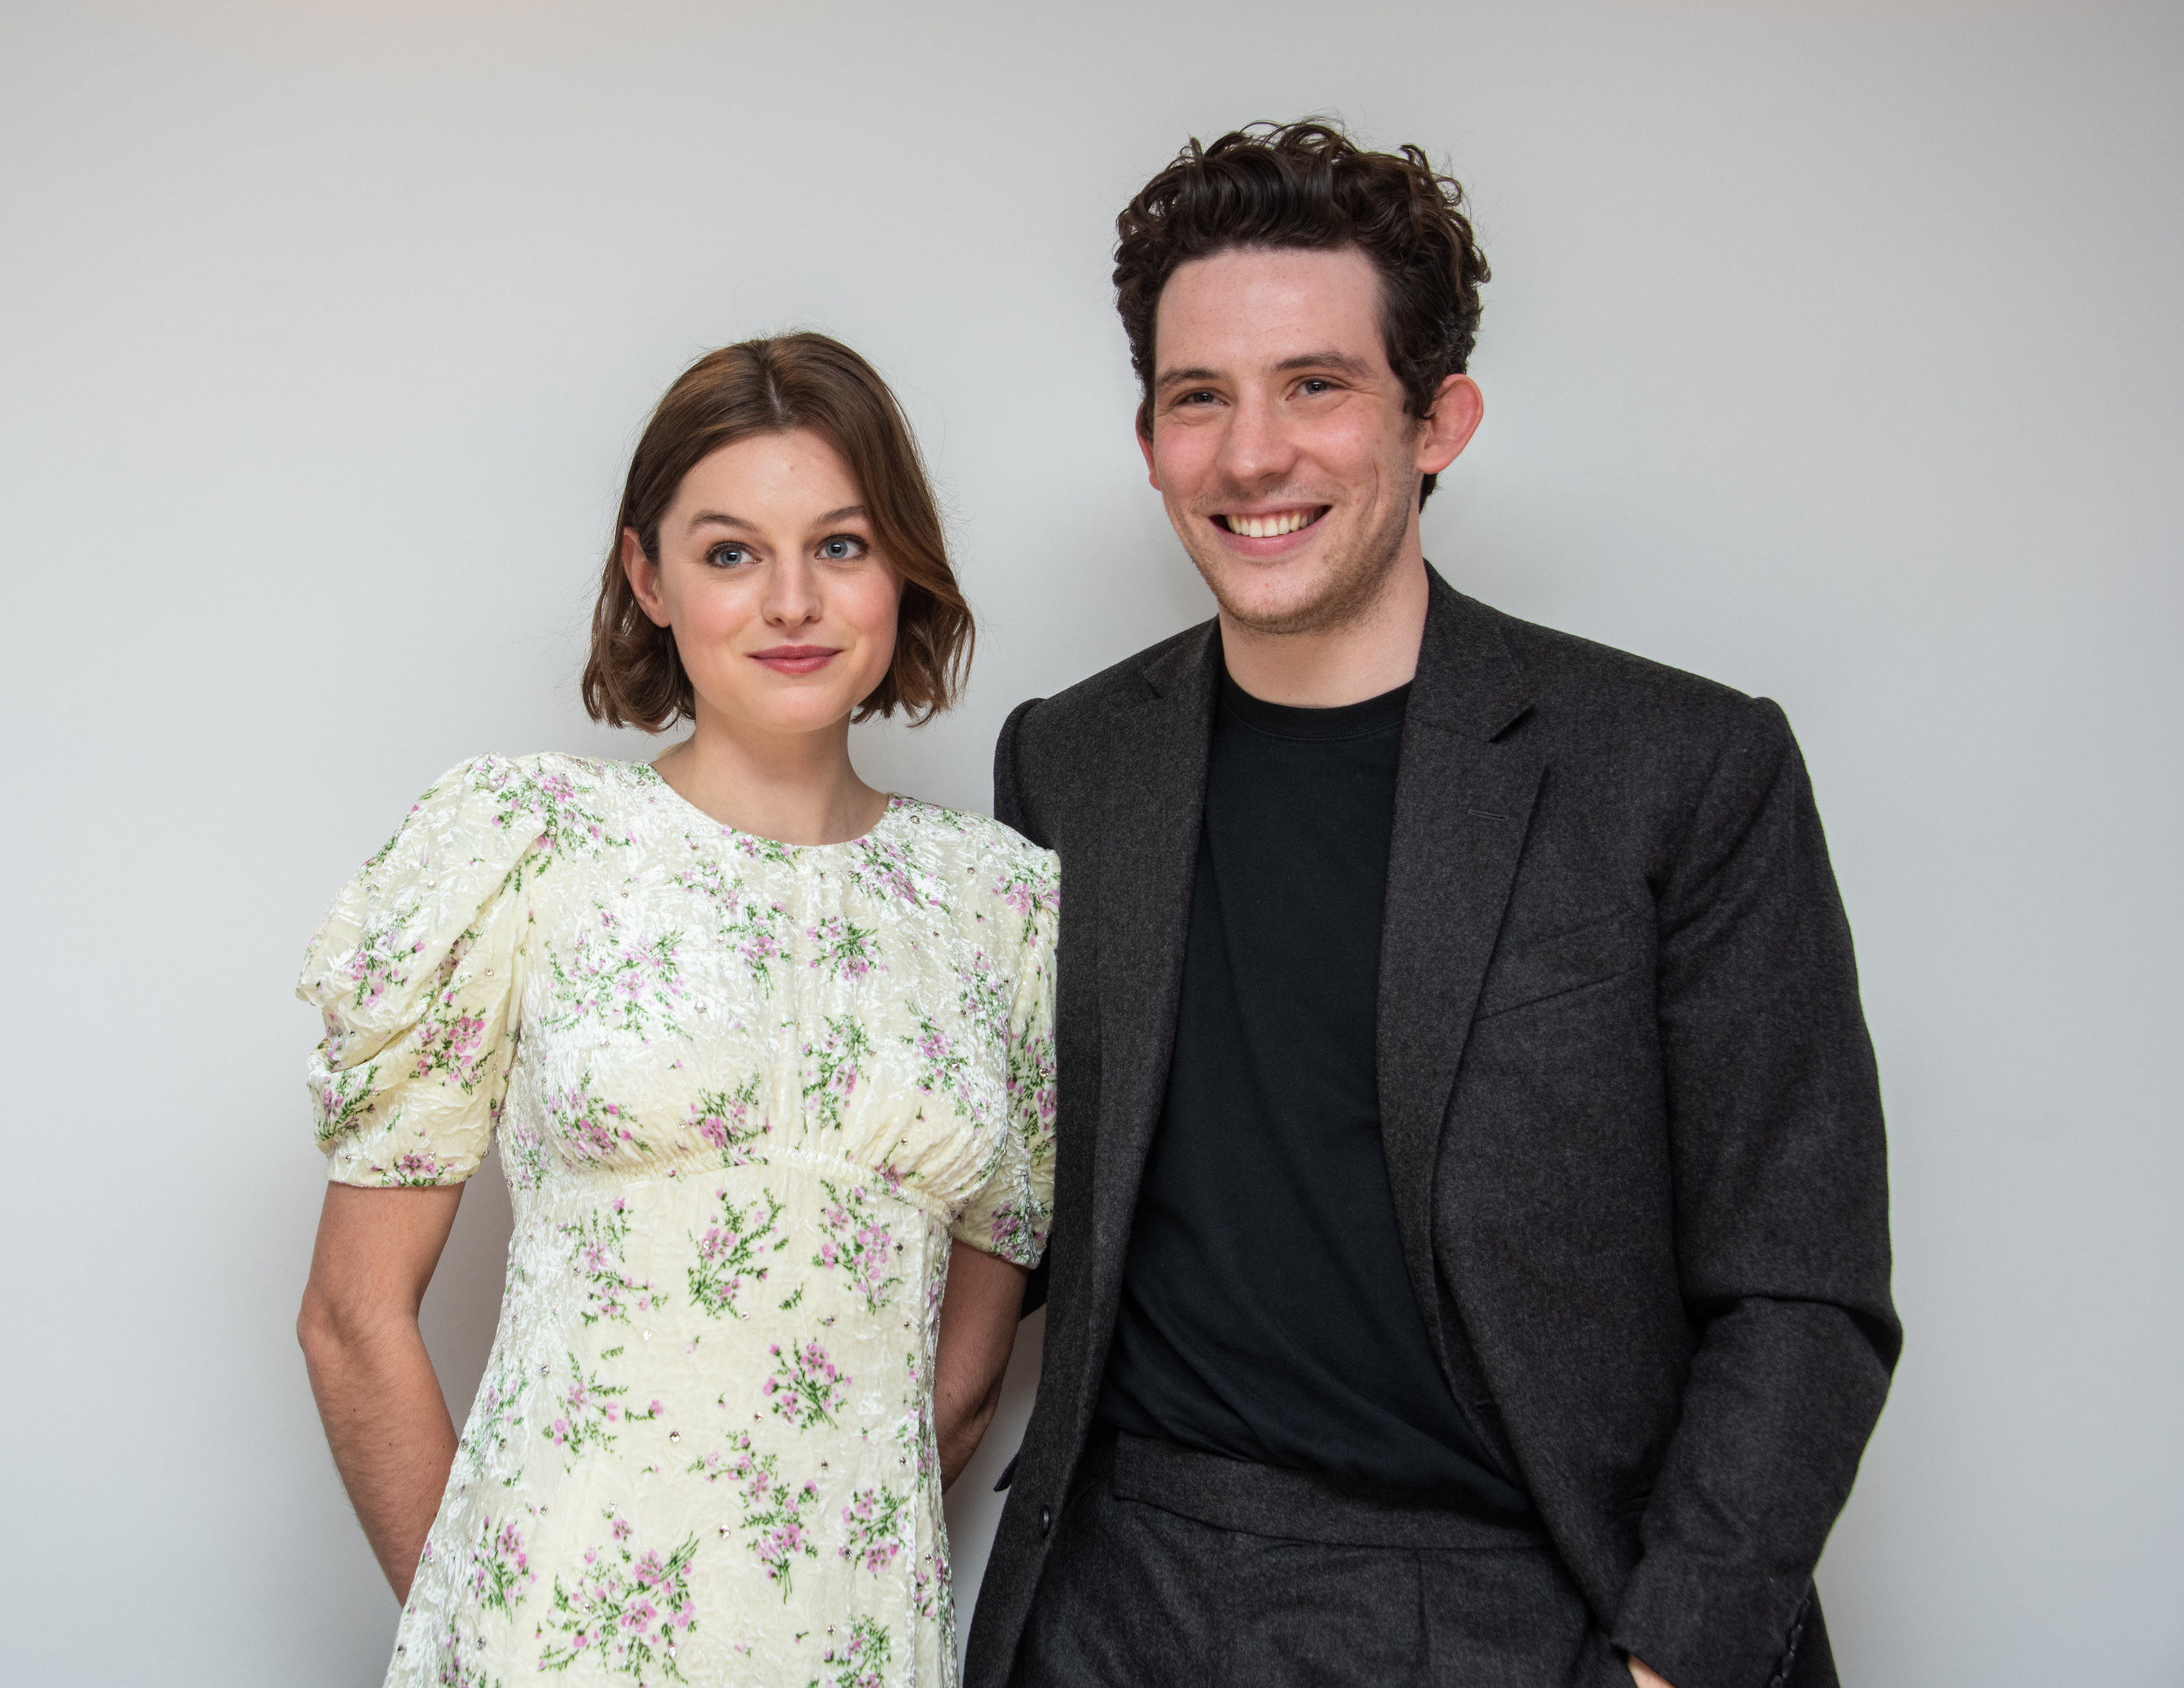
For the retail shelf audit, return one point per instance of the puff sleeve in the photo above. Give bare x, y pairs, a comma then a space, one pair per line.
413, 971
1011, 1211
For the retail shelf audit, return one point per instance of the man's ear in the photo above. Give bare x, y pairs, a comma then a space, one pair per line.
1447, 427
643, 576
1146, 445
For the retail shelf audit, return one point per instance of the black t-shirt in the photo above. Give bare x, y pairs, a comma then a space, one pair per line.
1266, 1312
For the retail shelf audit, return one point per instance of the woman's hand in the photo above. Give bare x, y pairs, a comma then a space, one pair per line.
385, 1419
977, 1332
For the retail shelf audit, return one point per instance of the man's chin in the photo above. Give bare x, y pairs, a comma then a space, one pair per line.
1312, 613
1285, 598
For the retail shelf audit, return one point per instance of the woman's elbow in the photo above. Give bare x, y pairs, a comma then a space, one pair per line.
331, 1327
318, 1330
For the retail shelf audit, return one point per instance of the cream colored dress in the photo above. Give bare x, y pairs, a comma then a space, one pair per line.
745, 1095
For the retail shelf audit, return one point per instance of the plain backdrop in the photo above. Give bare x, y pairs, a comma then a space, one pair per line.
1832, 351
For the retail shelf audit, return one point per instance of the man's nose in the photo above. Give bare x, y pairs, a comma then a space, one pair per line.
1255, 446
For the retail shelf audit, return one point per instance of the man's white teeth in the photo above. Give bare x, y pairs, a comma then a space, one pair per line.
1270, 527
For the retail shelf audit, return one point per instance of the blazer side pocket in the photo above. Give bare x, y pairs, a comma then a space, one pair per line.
1591, 953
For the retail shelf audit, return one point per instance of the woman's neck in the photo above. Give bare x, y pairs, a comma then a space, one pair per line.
796, 788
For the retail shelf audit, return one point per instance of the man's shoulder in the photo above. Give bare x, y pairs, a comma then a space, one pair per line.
1584, 668
1088, 706
1597, 691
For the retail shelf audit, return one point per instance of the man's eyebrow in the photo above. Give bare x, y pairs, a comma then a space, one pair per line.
1342, 362
1337, 360
1174, 377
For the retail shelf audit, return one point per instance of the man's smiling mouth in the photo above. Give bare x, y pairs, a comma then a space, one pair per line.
1273, 524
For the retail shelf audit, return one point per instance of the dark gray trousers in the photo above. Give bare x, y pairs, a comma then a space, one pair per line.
1170, 1567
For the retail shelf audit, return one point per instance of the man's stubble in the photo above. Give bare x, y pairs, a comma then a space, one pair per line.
1354, 578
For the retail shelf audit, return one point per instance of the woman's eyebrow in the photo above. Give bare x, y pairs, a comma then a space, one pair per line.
722, 518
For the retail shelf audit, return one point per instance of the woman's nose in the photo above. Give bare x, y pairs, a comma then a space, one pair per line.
792, 595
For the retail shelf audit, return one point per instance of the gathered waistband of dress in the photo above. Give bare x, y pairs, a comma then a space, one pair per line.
681, 1164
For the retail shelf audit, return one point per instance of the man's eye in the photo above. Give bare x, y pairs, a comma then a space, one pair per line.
1313, 383
728, 557
842, 548
1201, 397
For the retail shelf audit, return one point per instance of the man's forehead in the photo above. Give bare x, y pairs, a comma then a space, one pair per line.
1255, 308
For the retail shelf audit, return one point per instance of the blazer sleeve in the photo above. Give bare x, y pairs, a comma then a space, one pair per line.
1008, 806
1011, 810
1781, 1200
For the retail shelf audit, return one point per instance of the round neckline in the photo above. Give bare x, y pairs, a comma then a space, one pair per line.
1303, 724
895, 801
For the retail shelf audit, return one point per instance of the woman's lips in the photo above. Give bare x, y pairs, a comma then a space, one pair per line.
796, 659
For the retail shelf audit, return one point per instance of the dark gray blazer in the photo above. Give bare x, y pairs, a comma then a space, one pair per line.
1631, 1118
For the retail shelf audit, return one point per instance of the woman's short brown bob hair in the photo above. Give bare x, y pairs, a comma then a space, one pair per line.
635, 677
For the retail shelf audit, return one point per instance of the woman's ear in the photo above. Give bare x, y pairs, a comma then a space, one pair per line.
643, 578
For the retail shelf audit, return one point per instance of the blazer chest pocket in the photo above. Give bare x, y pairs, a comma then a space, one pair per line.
1591, 953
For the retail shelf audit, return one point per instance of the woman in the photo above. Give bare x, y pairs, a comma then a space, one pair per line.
768, 1053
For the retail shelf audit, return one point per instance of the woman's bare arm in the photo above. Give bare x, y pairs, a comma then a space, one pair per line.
385, 1419
978, 1330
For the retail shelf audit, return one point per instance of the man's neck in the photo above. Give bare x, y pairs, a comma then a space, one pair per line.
1370, 654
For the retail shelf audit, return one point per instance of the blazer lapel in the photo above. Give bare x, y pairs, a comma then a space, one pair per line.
1155, 805
1464, 793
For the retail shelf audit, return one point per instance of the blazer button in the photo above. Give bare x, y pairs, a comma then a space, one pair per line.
1045, 1521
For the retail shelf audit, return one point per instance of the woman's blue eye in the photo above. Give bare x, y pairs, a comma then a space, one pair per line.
728, 557
841, 548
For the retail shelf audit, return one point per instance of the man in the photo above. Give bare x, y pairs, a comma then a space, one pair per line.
1470, 1261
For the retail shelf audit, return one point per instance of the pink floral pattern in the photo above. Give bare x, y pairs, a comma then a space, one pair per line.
500, 1570
859, 1662
624, 1611
777, 1515
843, 950
737, 1243
833, 1062
806, 1388
858, 1244
871, 1528
598, 1241
589, 1127
730, 1120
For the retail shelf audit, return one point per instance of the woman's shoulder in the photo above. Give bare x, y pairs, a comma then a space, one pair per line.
547, 803
490, 813
992, 862
475, 838
976, 838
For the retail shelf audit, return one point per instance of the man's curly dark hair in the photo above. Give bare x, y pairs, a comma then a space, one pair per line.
1309, 185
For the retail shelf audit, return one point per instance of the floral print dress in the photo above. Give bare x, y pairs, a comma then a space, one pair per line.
745, 1094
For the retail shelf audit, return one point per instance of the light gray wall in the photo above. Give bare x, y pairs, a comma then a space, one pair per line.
1832, 351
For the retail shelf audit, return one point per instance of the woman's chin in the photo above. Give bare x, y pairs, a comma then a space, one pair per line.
789, 712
